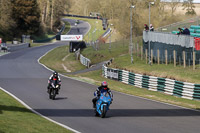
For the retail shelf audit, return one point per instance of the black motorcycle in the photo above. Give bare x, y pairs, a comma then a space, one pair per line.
53, 89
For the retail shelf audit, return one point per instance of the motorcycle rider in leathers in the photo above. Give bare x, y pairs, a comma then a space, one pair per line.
56, 78
101, 89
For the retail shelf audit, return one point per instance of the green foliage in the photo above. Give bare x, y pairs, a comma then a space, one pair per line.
34, 17
6, 21
26, 14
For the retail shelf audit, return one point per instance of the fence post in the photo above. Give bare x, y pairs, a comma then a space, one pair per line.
151, 56
194, 60
88, 64
138, 50
158, 56
184, 61
166, 58
174, 58
146, 55
141, 52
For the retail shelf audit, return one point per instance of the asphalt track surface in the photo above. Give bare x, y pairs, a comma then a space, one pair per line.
21, 75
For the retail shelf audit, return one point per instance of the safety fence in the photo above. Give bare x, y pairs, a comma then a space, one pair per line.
168, 38
77, 54
85, 61
169, 48
79, 16
168, 86
18, 47
106, 33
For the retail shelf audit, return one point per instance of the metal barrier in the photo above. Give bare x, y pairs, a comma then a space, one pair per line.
168, 38
79, 16
168, 86
106, 33
12, 48
85, 61
77, 54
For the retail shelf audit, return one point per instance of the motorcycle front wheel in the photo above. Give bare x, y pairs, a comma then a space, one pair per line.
50, 96
54, 94
103, 112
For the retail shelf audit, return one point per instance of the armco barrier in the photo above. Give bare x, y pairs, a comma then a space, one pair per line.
79, 16
85, 61
106, 33
18, 46
168, 86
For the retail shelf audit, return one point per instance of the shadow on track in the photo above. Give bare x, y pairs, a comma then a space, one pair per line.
120, 112
13, 108
61, 98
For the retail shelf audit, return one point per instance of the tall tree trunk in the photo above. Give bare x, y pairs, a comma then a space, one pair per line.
46, 11
52, 13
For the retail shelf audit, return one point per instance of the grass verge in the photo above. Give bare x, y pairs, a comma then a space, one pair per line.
14, 117
61, 60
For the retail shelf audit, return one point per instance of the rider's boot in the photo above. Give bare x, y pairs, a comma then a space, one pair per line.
48, 90
94, 105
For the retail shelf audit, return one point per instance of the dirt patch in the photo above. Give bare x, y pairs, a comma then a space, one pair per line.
99, 55
89, 80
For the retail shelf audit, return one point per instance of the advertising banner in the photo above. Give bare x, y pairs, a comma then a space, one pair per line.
112, 74
71, 37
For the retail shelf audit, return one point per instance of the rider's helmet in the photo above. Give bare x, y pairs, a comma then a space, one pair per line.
104, 84
55, 74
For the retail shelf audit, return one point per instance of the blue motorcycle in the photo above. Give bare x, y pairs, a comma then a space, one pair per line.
102, 105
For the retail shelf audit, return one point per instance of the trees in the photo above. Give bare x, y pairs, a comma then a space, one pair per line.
173, 5
189, 6
6, 21
26, 14
51, 12
32, 17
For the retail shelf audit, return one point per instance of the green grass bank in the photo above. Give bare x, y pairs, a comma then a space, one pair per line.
15, 118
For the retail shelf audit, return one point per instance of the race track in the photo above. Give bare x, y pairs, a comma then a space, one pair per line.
21, 75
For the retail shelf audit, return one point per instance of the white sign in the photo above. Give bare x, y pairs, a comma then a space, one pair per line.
71, 37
